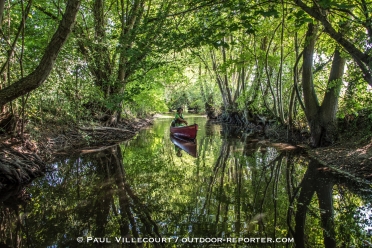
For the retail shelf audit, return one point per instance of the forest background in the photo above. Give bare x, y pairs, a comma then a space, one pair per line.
302, 65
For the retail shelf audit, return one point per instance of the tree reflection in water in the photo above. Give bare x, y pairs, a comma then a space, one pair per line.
347, 228
13, 200
134, 217
97, 201
315, 181
142, 189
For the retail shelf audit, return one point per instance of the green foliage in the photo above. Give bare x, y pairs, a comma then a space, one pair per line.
147, 102
357, 96
352, 231
166, 58
271, 12
300, 18
327, 4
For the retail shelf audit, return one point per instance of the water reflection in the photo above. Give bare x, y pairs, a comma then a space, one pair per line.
116, 199
187, 146
234, 189
315, 181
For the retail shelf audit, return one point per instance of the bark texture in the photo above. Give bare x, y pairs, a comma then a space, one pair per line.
321, 118
2, 4
363, 59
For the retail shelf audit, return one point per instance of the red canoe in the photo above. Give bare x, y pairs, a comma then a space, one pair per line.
185, 132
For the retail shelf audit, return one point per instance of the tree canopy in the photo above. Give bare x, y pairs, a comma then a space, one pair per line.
239, 58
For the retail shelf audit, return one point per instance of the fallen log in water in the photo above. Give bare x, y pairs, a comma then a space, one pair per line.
95, 150
98, 129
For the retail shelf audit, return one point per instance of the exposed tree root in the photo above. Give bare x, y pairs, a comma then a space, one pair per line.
253, 124
7, 123
20, 161
19, 167
76, 138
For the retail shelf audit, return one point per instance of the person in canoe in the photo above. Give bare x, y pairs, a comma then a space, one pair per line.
178, 119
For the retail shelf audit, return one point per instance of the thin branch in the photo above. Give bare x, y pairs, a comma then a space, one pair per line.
20, 29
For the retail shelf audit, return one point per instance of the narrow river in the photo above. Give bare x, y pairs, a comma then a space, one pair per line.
225, 191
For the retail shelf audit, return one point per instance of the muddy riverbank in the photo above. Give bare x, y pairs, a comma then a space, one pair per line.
22, 160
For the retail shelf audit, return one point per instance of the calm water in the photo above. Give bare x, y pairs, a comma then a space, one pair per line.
223, 192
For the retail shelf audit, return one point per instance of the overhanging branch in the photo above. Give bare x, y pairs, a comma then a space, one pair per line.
42, 71
362, 59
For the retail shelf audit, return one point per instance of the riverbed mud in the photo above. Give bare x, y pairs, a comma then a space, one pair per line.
356, 161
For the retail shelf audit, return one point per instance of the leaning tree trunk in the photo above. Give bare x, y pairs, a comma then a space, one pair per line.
362, 58
42, 71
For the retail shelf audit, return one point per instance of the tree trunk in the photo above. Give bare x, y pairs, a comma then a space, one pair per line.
225, 80
269, 73
2, 4
321, 119
363, 59
310, 98
218, 78
329, 106
292, 109
42, 71
324, 126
